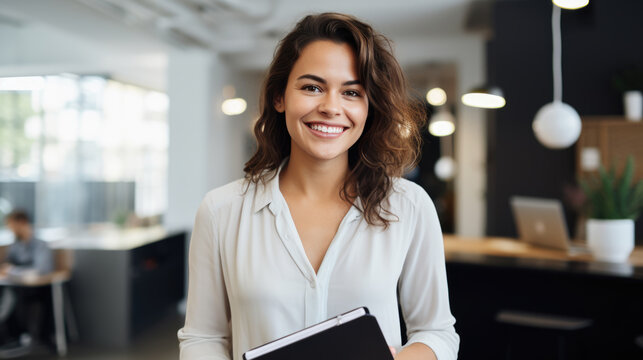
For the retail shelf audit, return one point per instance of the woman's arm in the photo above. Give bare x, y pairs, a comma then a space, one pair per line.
206, 334
416, 351
423, 290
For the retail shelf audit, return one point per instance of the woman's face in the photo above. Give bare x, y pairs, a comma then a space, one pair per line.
324, 103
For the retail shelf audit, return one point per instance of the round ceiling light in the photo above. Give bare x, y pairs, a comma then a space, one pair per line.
234, 106
436, 96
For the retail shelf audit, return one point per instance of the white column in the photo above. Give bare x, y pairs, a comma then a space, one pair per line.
205, 149
189, 89
471, 147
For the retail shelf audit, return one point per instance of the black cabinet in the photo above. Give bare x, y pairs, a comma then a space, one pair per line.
118, 293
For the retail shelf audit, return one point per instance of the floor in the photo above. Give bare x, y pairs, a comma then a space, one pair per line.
159, 343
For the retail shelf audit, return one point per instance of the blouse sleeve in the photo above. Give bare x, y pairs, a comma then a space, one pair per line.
206, 334
423, 288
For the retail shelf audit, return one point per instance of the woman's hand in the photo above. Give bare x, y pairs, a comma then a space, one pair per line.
393, 351
416, 351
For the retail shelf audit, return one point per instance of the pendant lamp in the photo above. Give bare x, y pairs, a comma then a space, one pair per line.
487, 97
442, 123
445, 168
557, 125
570, 4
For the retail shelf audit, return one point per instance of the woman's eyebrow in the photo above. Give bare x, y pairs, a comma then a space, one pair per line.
323, 81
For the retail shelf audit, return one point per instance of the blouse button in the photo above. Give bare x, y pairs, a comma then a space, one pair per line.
312, 284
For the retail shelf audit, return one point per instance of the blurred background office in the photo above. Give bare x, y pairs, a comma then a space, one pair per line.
117, 116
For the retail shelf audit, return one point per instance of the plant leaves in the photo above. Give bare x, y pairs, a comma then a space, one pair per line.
609, 197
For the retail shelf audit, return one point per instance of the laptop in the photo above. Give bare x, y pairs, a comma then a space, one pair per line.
541, 222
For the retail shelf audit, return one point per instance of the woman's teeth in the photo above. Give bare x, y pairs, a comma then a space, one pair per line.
327, 129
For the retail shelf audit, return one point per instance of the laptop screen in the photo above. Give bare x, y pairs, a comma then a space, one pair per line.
540, 222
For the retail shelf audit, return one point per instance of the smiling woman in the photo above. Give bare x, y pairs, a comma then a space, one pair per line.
322, 222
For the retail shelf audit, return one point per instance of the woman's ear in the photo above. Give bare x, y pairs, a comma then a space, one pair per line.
279, 104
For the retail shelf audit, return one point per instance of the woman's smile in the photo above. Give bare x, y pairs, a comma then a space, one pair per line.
324, 130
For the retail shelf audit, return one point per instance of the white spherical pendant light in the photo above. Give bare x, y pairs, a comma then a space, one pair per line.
557, 125
445, 168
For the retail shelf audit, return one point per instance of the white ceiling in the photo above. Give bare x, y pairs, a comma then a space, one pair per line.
227, 26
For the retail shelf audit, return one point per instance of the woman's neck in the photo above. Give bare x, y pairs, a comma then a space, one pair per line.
313, 179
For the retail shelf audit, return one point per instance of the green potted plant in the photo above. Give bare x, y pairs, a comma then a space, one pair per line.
613, 203
629, 82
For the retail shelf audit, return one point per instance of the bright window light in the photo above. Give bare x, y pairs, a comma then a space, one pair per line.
24, 83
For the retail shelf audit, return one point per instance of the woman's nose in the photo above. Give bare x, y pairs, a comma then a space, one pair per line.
330, 105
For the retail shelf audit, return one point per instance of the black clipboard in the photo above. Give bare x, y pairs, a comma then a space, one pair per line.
354, 335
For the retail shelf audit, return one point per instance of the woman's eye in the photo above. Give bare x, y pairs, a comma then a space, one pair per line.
311, 88
352, 93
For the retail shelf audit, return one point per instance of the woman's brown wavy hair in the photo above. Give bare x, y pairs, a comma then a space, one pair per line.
391, 139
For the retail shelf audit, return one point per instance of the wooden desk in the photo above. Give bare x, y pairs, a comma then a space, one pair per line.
511, 251
498, 246
488, 275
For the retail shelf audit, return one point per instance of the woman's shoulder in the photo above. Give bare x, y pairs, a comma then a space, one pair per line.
228, 194
407, 192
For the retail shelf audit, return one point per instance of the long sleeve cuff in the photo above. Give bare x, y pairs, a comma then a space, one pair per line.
195, 346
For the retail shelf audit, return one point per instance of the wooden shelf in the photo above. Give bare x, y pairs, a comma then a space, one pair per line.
614, 138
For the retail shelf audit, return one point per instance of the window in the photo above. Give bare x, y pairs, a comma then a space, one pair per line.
82, 149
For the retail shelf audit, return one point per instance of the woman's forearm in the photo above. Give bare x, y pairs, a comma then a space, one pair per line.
416, 351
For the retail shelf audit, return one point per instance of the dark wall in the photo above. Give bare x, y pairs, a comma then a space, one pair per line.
597, 41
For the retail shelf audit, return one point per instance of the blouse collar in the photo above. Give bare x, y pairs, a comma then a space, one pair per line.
269, 194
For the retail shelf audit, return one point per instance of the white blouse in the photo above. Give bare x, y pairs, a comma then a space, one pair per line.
250, 281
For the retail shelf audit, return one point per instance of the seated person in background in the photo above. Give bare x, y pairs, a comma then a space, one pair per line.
21, 307
26, 255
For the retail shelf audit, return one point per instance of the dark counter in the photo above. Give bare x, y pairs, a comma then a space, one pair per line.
481, 285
